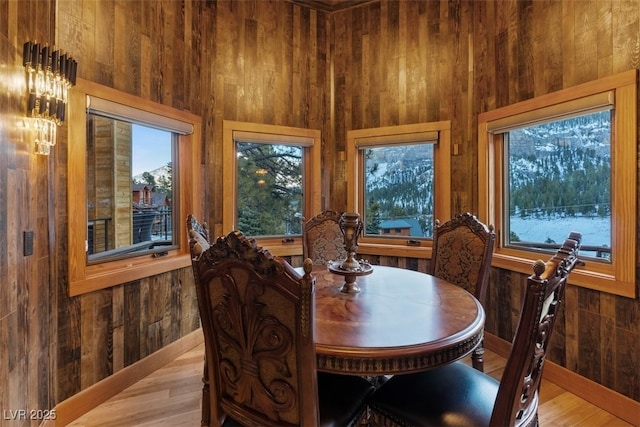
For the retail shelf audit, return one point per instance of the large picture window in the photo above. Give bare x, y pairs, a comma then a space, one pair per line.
272, 176
558, 177
565, 162
400, 183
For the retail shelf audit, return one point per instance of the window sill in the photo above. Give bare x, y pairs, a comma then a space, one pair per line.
102, 276
294, 249
394, 250
282, 249
581, 276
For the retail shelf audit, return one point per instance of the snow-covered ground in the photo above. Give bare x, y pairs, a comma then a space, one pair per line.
595, 231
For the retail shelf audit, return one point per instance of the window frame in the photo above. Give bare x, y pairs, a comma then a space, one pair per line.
309, 140
617, 277
414, 248
159, 123
84, 278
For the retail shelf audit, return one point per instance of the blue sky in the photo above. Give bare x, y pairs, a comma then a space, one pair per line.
151, 149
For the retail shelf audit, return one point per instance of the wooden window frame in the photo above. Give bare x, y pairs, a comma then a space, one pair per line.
617, 277
85, 278
421, 248
312, 175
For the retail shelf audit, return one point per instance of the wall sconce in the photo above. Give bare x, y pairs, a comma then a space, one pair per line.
50, 74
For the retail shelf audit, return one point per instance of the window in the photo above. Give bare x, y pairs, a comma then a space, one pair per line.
269, 188
272, 174
130, 200
400, 184
565, 162
558, 177
126, 217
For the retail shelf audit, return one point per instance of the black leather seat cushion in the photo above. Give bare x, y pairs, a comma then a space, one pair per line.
342, 398
453, 395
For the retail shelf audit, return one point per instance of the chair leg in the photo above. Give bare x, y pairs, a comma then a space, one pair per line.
206, 403
477, 357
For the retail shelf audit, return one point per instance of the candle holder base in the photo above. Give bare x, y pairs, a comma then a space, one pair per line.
350, 274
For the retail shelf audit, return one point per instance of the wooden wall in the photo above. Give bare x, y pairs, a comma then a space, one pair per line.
270, 63
26, 332
258, 61
405, 62
154, 54
399, 63
52, 346
121, 146
275, 62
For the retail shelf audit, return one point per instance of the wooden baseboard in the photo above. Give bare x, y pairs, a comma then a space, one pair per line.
611, 401
82, 402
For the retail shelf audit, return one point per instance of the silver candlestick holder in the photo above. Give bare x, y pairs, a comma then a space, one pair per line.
351, 228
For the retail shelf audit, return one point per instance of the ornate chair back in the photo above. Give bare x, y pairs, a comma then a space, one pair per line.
517, 399
456, 394
199, 241
257, 317
462, 252
322, 240
198, 234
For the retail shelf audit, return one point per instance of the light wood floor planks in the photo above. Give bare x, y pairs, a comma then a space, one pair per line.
170, 397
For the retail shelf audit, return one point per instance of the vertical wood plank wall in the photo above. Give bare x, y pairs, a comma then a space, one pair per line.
403, 62
153, 54
276, 62
26, 332
269, 64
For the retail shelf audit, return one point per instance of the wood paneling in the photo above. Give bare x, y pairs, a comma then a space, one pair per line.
399, 63
270, 65
53, 346
277, 62
450, 60
25, 297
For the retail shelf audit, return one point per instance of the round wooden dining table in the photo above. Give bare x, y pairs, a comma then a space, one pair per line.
401, 321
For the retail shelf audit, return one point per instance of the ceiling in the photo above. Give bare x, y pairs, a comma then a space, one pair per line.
331, 5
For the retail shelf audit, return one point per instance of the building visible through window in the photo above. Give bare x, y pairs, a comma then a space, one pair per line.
398, 186
400, 182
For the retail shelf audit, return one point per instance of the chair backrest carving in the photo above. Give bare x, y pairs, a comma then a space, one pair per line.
462, 252
322, 239
517, 400
199, 241
257, 317
198, 234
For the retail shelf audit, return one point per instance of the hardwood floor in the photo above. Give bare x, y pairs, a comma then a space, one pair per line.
170, 397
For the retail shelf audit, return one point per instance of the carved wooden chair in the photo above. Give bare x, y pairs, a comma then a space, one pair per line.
462, 252
198, 234
322, 240
257, 316
199, 241
458, 394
